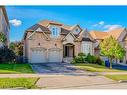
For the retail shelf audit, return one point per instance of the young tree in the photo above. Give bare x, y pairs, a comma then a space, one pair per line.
112, 49
17, 48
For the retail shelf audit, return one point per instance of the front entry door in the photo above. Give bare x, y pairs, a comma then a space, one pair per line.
68, 50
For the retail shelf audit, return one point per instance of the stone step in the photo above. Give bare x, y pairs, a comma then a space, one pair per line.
68, 59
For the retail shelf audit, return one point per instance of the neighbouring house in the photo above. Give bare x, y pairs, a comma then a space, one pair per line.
51, 41
4, 25
119, 34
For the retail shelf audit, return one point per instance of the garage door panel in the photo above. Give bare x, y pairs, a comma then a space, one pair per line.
38, 56
54, 55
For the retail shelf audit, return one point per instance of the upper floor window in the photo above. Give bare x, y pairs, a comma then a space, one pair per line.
55, 31
77, 30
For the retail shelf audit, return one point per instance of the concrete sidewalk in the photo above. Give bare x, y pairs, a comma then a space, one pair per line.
26, 75
46, 75
60, 74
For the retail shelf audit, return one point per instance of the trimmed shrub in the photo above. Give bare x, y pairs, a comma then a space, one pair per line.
81, 54
88, 58
93, 59
79, 59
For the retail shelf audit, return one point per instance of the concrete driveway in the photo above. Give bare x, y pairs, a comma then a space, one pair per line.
74, 82
58, 68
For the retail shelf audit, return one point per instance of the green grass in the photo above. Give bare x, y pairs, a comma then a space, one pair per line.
95, 68
15, 68
117, 77
18, 82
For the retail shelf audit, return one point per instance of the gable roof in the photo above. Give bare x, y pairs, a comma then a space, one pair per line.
102, 35
47, 22
36, 26
65, 29
116, 33
98, 34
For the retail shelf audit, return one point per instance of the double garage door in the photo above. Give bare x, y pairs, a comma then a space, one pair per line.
43, 56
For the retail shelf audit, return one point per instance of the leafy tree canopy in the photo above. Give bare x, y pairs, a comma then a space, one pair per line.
112, 49
2, 37
17, 48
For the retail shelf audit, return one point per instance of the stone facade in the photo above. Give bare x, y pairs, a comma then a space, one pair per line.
40, 39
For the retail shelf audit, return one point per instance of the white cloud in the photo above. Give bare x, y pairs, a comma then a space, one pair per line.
15, 22
112, 27
95, 25
101, 23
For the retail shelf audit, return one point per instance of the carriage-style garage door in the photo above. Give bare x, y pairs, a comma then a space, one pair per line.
54, 55
38, 56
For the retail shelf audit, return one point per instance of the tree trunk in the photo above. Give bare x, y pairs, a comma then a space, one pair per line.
116, 60
110, 63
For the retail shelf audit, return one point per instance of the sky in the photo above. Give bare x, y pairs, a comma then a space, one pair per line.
102, 18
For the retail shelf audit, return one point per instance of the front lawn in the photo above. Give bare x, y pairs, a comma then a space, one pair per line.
117, 77
95, 68
15, 68
18, 82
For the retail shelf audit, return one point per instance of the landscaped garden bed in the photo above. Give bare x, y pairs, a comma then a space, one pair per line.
92, 63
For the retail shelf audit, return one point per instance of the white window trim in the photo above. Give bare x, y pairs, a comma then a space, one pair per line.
55, 32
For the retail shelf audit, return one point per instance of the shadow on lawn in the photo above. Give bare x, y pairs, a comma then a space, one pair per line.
119, 67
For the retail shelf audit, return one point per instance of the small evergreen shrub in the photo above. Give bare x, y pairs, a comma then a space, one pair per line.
88, 58
94, 59
79, 59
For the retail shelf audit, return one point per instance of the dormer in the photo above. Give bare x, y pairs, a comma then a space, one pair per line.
55, 29
76, 29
